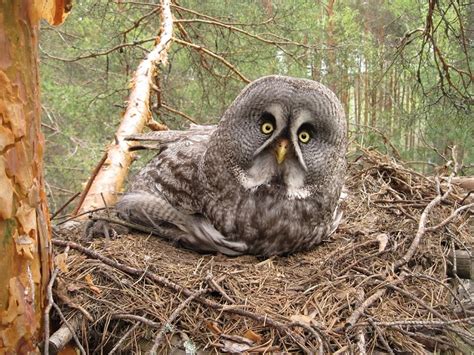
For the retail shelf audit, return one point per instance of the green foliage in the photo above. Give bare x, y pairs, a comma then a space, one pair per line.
386, 77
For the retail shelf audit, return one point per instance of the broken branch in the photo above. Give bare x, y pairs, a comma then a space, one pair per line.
111, 175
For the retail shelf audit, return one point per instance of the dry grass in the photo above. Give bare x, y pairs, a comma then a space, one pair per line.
350, 294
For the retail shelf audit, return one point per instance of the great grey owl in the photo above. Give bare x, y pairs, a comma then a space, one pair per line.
266, 180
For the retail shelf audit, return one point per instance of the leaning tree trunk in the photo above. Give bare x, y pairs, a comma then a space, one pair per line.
25, 249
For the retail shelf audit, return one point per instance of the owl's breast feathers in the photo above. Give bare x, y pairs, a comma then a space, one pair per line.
266, 218
261, 211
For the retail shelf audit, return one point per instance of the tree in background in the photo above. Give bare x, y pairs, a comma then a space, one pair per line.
25, 250
401, 69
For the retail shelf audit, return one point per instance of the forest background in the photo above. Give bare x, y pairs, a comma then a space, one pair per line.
401, 69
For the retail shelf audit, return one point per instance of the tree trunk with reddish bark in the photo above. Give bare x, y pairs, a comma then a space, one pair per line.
25, 250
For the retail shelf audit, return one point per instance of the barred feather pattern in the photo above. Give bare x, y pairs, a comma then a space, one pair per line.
220, 189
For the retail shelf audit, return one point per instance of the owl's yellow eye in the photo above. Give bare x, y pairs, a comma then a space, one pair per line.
267, 127
304, 136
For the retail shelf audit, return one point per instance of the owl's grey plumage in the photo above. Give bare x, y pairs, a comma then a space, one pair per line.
266, 180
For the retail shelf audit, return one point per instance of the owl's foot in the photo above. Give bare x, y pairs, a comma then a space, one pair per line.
98, 228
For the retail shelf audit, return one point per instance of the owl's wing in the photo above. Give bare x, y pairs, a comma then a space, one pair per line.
165, 195
157, 140
193, 231
173, 171
336, 217
172, 136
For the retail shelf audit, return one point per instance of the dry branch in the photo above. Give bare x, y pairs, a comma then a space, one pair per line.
462, 264
61, 337
88, 186
194, 12
352, 320
49, 297
110, 177
182, 114
239, 30
70, 326
213, 55
133, 317
422, 225
99, 54
65, 204
432, 323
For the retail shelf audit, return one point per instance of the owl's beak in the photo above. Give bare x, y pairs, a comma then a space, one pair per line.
281, 149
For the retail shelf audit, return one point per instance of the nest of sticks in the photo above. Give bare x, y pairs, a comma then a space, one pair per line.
378, 284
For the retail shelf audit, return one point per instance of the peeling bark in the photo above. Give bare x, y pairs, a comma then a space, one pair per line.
25, 248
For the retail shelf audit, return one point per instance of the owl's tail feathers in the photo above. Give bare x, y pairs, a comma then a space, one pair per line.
337, 215
194, 231
336, 220
205, 234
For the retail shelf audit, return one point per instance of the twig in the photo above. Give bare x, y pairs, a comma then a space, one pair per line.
434, 339
72, 198
468, 338
450, 218
386, 140
444, 285
455, 265
137, 227
134, 317
49, 293
60, 338
98, 54
71, 328
137, 22
173, 317
214, 285
380, 336
107, 210
264, 319
213, 55
316, 334
122, 339
469, 193
360, 334
420, 323
214, 19
351, 321
361, 342
47, 310
182, 114
239, 30
422, 225
71, 304
79, 215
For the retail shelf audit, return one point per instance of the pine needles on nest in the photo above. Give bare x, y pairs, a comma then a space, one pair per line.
379, 283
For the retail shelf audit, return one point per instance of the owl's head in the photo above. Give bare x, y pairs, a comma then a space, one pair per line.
285, 132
